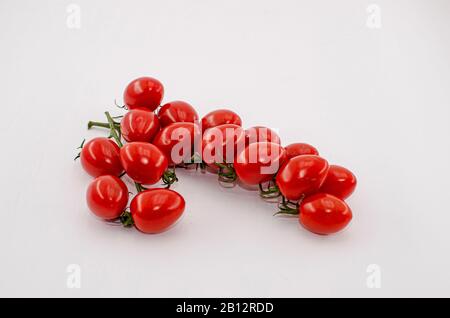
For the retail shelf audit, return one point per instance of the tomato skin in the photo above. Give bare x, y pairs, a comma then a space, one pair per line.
298, 149
101, 156
155, 210
107, 197
339, 182
139, 125
324, 214
144, 92
232, 137
261, 134
143, 162
166, 140
265, 154
219, 117
301, 175
177, 112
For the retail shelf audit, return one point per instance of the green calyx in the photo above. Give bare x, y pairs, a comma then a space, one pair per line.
169, 177
126, 219
287, 207
226, 173
272, 191
80, 147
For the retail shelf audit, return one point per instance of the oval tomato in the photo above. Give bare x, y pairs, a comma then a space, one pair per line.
178, 141
177, 112
298, 149
139, 125
220, 144
259, 162
155, 210
144, 92
302, 175
324, 214
339, 182
143, 162
261, 134
107, 197
220, 117
101, 156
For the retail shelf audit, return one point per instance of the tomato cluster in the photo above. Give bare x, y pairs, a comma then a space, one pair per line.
161, 138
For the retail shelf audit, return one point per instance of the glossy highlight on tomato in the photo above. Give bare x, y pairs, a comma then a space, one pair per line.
339, 182
324, 214
107, 197
101, 156
143, 162
220, 117
179, 141
302, 175
155, 210
298, 149
139, 125
144, 92
177, 112
261, 134
259, 162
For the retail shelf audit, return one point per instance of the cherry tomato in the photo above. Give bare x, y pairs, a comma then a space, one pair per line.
324, 214
220, 144
175, 139
139, 125
302, 175
155, 210
298, 149
143, 162
144, 92
107, 197
258, 162
260, 134
220, 117
177, 112
100, 156
339, 182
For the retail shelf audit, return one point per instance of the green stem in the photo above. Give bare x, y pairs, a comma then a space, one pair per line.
113, 129
115, 135
100, 124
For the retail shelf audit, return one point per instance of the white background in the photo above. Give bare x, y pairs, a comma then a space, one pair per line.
375, 100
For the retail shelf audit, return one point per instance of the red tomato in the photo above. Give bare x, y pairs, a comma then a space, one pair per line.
144, 92
259, 162
260, 134
143, 162
302, 175
155, 210
339, 182
298, 149
220, 117
139, 125
324, 214
107, 197
220, 144
177, 112
100, 156
177, 138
